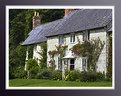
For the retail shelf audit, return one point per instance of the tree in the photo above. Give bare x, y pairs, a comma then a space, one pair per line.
109, 67
20, 24
43, 55
32, 68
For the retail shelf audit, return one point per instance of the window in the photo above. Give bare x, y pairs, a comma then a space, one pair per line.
71, 64
59, 64
64, 52
61, 39
72, 38
86, 35
35, 47
84, 64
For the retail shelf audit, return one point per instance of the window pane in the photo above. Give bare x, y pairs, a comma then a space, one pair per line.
72, 61
84, 64
71, 67
72, 38
61, 40
86, 35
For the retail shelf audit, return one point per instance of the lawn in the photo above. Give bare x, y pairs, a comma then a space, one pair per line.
54, 83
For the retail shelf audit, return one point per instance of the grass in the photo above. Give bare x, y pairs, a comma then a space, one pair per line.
54, 83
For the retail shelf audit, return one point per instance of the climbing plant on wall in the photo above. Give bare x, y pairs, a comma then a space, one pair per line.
60, 51
43, 55
91, 49
52, 61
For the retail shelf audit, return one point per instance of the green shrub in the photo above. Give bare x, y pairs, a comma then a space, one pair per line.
45, 74
57, 75
83, 76
91, 76
33, 68
20, 72
100, 76
73, 75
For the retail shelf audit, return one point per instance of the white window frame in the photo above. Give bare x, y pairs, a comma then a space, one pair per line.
86, 35
72, 38
59, 64
84, 63
35, 47
61, 39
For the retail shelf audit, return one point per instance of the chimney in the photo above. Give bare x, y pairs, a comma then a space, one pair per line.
68, 11
36, 19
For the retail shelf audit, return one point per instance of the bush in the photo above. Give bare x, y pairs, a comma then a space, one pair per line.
100, 76
33, 68
73, 75
45, 74
57, 75
20, 72
91, 76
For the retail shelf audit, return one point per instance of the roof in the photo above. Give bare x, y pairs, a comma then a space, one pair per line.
37, 35
85, 19
78, 20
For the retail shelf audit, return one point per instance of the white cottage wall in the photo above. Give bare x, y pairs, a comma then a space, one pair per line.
36, 49
51, 42
101, 64
101, 33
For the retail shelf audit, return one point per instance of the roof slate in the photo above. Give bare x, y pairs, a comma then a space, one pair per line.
78, 20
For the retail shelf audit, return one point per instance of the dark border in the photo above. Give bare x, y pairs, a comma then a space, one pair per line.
116, 92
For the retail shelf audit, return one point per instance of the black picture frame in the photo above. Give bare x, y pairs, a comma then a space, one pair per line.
115, 92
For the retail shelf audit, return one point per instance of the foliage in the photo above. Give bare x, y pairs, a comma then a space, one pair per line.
57, 75
20, 72
45, 74
52, 64
52, 61
109, 67
43, 55
19, 28
16, 58
91, 49
52, 53
32, 68
60, 50
73, 75
91, 76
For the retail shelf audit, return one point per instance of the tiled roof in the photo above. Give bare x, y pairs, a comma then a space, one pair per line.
78, 20
38, 34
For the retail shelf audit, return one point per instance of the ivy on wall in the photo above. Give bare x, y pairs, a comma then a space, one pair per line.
60, 51
91, 49
43, 55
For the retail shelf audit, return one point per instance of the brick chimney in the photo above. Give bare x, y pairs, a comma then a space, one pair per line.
68, 11
36, 19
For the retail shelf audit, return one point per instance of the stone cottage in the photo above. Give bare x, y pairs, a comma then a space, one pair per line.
79, 24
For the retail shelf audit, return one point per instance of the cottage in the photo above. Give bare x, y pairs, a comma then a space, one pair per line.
77, 25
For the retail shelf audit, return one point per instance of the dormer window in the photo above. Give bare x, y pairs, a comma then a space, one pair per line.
86, 35
61, 39
72, 38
